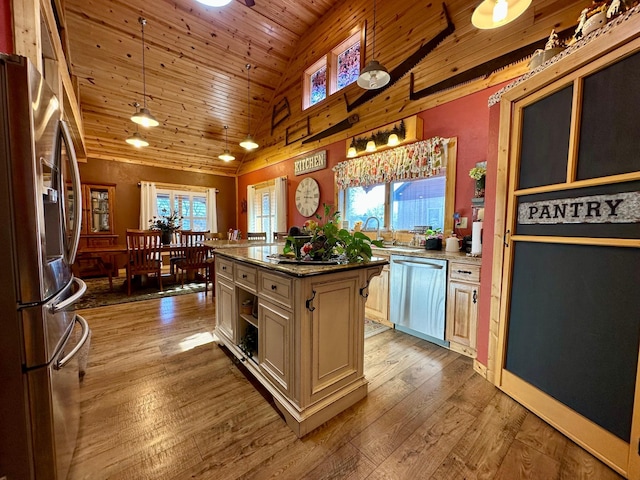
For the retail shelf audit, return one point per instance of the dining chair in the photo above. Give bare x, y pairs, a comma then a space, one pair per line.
176, 253
195, 259
257, 236
144, 256
279, 236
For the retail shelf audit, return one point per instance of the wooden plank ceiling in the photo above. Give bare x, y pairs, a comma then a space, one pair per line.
196, 80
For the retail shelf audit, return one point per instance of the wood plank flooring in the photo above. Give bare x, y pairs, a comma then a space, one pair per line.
160, 400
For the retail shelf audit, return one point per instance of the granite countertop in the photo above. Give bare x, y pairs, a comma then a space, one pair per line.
259, 255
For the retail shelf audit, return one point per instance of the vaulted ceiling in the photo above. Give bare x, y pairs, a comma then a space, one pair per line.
196, 80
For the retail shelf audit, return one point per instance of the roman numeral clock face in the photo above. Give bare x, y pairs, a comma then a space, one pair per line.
307, 197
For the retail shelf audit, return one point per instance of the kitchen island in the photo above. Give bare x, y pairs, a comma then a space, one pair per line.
298, 328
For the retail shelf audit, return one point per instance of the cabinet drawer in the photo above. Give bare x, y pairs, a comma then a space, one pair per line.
464, 271
224, 267
276, 287
100, 241
246, 276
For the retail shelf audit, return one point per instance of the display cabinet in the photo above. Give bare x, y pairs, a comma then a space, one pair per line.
97, 230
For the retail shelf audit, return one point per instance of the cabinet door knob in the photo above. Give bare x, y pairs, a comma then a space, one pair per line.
475, 296
274, 287
244, 275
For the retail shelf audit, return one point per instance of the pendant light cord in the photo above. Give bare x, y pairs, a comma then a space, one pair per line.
248, 66
373, 50
143, 21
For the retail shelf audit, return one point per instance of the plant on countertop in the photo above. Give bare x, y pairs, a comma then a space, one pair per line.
325, 240
435, 233
167, 223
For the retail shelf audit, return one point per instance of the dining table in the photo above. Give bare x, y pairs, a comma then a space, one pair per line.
97, 254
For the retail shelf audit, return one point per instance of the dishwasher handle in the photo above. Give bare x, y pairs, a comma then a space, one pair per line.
413, 263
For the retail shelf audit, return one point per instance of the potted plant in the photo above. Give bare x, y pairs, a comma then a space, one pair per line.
166, 224
478, 173
322, 239
433, 239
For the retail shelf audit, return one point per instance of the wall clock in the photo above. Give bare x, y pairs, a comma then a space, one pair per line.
307, 197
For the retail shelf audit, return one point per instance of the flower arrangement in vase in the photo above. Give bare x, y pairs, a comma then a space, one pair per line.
166, 224
478, 173
322, 239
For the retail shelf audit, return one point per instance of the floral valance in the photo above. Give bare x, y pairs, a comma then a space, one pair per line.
422, 159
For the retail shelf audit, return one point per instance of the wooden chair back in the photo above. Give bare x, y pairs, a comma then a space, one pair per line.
144, 256
195, 258
257, 236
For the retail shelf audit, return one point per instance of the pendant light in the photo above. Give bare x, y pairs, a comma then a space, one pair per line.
374, 75
215, 3
137, 140
248, 143
143, 116
226, 155
496, 13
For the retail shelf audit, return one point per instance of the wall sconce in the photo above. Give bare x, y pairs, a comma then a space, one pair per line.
393, 140
352, 152
371, 146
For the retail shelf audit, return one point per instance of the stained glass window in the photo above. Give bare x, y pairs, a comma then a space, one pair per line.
318, 90
348, 66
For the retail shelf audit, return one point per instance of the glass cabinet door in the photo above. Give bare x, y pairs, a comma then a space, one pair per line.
99, 209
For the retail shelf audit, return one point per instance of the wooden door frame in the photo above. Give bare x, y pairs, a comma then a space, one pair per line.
607, 48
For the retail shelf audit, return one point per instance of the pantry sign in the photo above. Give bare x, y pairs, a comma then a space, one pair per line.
608, 208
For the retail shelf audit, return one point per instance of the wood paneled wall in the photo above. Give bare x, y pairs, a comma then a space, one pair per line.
402, 27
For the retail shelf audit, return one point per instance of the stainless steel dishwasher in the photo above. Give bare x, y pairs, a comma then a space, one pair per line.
418, 297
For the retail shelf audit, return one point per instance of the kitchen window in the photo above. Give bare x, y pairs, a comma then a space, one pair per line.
334, 71
400, 205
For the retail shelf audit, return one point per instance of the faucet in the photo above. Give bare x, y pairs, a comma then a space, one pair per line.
367, 223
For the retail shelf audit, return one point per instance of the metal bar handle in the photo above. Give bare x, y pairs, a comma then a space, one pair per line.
83, 339
82, 287
77, 213
419, 264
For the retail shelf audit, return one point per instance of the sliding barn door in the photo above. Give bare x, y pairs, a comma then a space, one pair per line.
570, 305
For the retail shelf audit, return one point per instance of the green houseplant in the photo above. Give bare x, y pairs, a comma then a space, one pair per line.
166, 224
322, 239
433, 240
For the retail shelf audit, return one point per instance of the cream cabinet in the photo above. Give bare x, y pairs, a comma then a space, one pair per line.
305, 340
377, 306
462, 307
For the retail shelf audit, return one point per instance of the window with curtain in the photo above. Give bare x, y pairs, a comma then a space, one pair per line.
191, 206
262, 213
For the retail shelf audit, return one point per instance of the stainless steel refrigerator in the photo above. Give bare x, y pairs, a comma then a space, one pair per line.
40, 334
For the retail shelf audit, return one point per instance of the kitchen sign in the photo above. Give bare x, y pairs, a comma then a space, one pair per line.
608, 208
314, 162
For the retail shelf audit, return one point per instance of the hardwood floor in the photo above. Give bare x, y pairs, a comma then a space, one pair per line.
160, 400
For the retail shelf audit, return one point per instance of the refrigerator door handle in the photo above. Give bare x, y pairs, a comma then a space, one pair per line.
73, 250
83, 339
82, 287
